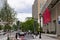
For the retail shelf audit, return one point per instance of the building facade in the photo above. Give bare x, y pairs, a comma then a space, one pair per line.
36, 9
54, 6
54, 25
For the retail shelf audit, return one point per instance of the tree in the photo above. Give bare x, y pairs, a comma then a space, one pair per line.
7, 27
1, 27
28, 25
7, 14
15, 27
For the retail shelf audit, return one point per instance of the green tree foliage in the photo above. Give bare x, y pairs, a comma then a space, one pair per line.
15, 27
7, 27
1, 27
28, 25
7, 14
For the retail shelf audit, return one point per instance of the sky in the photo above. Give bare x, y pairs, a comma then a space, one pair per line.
23, 8
1, 4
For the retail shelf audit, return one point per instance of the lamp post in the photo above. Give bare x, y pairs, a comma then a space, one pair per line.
18, 24
40, 26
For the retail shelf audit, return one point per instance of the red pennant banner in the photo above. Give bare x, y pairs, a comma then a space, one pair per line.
46, 16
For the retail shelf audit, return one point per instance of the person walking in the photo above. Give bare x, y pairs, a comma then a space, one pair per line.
16, 36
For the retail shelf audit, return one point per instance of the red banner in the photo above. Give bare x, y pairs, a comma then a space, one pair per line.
46, 16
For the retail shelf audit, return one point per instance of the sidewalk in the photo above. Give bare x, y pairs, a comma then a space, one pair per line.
46, 37
51, 35
37, 38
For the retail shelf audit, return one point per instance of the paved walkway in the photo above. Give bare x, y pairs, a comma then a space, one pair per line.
44, 37
48, 37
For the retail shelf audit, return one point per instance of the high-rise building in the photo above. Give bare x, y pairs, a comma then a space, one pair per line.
36, 9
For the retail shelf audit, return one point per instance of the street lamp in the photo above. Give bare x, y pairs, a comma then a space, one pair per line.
40, 26
18, 24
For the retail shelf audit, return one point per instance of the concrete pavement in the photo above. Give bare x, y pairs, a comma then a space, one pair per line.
44, 37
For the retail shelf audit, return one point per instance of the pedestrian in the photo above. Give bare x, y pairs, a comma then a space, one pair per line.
16, 36
33, 36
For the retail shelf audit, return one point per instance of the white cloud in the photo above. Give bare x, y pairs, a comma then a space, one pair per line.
22, 16
1, 4
20, 4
